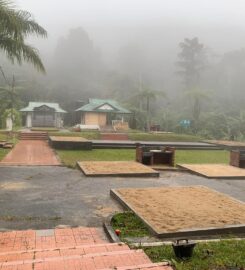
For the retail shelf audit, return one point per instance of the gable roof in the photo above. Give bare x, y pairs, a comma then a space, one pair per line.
32, 105
103, 105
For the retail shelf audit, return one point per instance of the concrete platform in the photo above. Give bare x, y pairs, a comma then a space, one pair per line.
176, 212
70, 143
116, 168
217, 171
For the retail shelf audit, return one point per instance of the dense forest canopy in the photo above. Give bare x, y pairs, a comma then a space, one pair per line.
163, 73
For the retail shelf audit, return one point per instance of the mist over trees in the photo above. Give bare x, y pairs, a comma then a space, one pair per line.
163, 79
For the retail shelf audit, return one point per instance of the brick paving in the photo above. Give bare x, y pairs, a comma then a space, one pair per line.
31, 153
69, 249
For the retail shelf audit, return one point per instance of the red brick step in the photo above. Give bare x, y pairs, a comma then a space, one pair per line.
33, 135
69, 249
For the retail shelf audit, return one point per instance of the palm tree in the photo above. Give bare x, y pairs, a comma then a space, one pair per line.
144, 97
15, 27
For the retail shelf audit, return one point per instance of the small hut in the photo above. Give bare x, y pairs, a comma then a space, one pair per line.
43, 114
102, 112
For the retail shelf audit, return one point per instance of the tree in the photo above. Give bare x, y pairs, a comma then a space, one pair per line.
15, 27
8, 97
196, 97
78, 67
143, 98
192, 61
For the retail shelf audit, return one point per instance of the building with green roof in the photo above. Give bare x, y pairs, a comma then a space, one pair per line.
43, 114
101, 112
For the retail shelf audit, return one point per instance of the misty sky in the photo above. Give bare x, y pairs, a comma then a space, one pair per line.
60, 12
114, 21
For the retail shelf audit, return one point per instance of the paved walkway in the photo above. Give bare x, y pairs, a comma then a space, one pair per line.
44, 197
31, 153
69, 249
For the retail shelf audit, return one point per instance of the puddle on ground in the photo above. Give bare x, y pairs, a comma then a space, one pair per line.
14, 186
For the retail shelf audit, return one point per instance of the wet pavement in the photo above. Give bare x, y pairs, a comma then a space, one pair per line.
44, 197
31, 152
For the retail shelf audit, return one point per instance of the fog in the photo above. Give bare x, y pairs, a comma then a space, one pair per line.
113, 48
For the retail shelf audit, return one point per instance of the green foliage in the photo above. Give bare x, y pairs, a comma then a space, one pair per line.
129, 225
192, 58
14, 115
3, 153
15, 26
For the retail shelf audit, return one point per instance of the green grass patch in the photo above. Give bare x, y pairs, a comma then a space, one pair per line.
166, 137
70, 157
129, 225
47, 129
3, 153
212, 255
90, 135
202, 156
5, 137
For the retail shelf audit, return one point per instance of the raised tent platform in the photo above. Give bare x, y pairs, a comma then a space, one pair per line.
116, 168
221, 171
76, 143
194, 211
227, 144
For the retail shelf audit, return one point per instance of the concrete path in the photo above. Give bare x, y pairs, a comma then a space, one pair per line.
31, 153
45, 197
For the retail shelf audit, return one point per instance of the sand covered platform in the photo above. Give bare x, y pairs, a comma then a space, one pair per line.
227, 144
70, 143
116, 168
193, 211
222, 171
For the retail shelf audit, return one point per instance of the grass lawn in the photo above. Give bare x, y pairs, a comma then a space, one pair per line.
212, 255
90, 135
222, 254
45, 129
3, 153
70, 157
134, 136
4, 137
168, 137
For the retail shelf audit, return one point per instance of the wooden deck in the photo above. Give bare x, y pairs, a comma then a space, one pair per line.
116, 168
221, 171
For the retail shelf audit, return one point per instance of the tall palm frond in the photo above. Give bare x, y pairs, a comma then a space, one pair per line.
15, 26
18, 50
